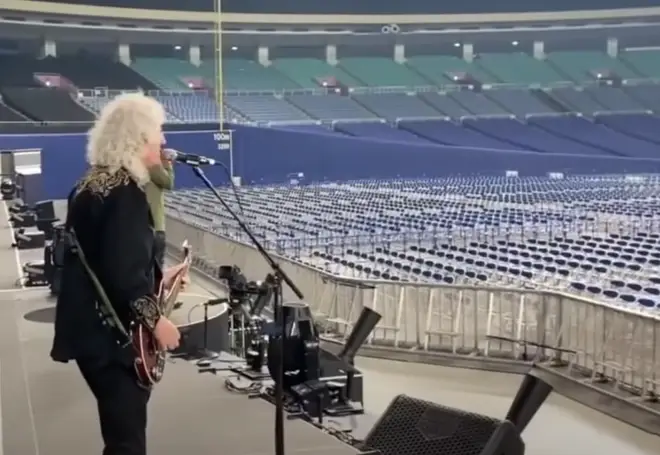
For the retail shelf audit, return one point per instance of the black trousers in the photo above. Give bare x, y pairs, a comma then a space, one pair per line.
122, 406
159, 248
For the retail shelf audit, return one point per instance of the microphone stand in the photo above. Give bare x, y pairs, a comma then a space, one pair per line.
206, 354
279, 277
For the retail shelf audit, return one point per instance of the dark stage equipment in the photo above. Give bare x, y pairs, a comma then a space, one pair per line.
45, 213
28, 240
279, 277
415, 427
23, 219
7, 189
320, 381
18, 206
34, 274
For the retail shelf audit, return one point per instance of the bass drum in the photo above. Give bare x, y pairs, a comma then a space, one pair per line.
189, 318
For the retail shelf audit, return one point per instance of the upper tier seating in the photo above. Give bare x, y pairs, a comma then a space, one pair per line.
477, 103
644, 62
330, 107
444, 104
579, 65
266, 108
383, 72
9, 115
243, 74
46, 104
575, 100
614, 99
519, 68
83, 70
646, 95
436, 68
166, 73
306, 72
518, 102
396, 105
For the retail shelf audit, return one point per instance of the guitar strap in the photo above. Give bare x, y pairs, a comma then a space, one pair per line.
103, 304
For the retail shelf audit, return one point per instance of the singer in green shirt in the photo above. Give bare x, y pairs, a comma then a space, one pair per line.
162, 179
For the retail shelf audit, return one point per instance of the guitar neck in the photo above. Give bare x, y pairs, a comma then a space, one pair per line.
171, 297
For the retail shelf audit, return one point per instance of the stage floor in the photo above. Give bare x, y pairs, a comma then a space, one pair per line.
46, 409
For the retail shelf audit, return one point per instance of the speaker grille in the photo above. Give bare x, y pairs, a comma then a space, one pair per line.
412, 426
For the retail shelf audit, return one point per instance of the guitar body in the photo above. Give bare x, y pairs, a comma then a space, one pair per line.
150, 360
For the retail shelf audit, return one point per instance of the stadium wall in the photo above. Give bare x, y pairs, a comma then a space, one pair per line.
269, 155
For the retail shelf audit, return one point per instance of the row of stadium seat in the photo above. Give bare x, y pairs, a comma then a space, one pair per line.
607, 134
89, 71
291, 73
195, 107
595, 236
517, 68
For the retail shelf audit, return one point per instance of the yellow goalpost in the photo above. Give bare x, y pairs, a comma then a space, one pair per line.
218, 63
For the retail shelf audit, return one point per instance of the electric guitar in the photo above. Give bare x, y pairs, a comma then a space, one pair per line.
150, 359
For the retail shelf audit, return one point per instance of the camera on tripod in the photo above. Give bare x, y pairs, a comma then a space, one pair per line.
247, 300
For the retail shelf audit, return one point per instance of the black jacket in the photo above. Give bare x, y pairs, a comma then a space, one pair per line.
110, 217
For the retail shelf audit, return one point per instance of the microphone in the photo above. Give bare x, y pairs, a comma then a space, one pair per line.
187, 158
213, 302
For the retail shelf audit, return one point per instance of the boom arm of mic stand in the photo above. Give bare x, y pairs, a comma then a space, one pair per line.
277, 302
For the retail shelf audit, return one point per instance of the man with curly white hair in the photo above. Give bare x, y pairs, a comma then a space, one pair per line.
110, 218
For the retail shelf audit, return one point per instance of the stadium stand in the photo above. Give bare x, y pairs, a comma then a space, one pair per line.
46, 104
518, 68
7, 114
643, 62
438, 69
382, 72
582, 66
397, 105
166, 73
243, 74
306, 72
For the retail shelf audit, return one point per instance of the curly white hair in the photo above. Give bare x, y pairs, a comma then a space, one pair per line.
124, 126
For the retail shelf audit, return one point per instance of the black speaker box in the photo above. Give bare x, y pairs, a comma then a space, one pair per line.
411, 426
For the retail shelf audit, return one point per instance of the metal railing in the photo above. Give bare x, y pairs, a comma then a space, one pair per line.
104, 92
590, 339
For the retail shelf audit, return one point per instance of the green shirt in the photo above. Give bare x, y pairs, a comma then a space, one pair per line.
162, 178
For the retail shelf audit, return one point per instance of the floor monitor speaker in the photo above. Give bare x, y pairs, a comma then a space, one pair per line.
411, 426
